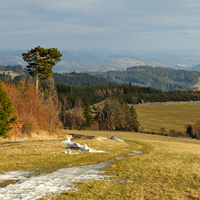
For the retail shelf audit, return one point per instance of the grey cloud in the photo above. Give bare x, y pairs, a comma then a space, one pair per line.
101, 23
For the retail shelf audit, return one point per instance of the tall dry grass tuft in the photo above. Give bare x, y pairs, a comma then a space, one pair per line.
33, 113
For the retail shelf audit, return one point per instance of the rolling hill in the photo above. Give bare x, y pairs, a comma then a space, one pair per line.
155, 77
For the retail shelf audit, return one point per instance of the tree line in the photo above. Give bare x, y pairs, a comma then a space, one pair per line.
111, 115
128, 93
13, 68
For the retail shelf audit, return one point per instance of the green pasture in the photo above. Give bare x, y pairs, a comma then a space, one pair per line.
169, 116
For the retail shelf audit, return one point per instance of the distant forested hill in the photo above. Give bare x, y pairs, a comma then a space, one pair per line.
80, 79
13, 68
74, 79
155, 77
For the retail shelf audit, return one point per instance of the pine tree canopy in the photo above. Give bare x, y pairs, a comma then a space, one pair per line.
41, 61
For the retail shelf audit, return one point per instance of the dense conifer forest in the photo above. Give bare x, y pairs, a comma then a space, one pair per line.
79, 79
73, 79
128, 93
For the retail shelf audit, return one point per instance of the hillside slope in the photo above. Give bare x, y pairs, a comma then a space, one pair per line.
73, 79
195, 68
155, 77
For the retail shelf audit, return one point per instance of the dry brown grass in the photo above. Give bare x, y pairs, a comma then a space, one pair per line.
169, 170
42, 135
46, 152
134, 136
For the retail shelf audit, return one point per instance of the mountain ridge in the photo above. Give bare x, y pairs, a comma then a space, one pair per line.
105, 60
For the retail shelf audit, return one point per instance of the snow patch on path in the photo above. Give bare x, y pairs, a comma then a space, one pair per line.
55, 183
77, 146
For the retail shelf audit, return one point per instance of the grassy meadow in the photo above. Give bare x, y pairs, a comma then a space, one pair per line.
169, 116
168, 169
47, 154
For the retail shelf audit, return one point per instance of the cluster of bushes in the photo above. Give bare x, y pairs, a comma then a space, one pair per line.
171, 133
193, 130
112, 115
32, 112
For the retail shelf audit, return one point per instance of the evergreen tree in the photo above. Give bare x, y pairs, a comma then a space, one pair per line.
6, 113
189, 130
41, 61
117, 115
88, 114
134, 125
99, 117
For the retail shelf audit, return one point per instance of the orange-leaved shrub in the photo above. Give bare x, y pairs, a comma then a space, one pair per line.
33, 113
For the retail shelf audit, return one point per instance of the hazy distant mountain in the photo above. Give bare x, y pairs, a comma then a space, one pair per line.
179, 61
11, 57
195, 68
105, 59
94, 61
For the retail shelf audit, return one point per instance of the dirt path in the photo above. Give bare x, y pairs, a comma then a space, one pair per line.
57, 182
51, 184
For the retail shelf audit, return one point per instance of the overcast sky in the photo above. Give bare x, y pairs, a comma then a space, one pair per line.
97, 24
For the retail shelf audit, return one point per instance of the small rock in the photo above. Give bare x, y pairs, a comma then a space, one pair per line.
116, 139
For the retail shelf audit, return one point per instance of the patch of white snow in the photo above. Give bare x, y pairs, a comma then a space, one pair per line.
67, 140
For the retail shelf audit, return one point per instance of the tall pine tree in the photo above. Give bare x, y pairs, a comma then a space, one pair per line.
41, 61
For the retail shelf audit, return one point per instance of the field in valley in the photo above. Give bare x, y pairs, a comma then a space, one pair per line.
197, 85
12, 74
168, 169
168, 116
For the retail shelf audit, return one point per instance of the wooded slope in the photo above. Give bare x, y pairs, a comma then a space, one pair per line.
155, 77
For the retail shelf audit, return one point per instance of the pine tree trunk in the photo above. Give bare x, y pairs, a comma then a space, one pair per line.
36, 82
